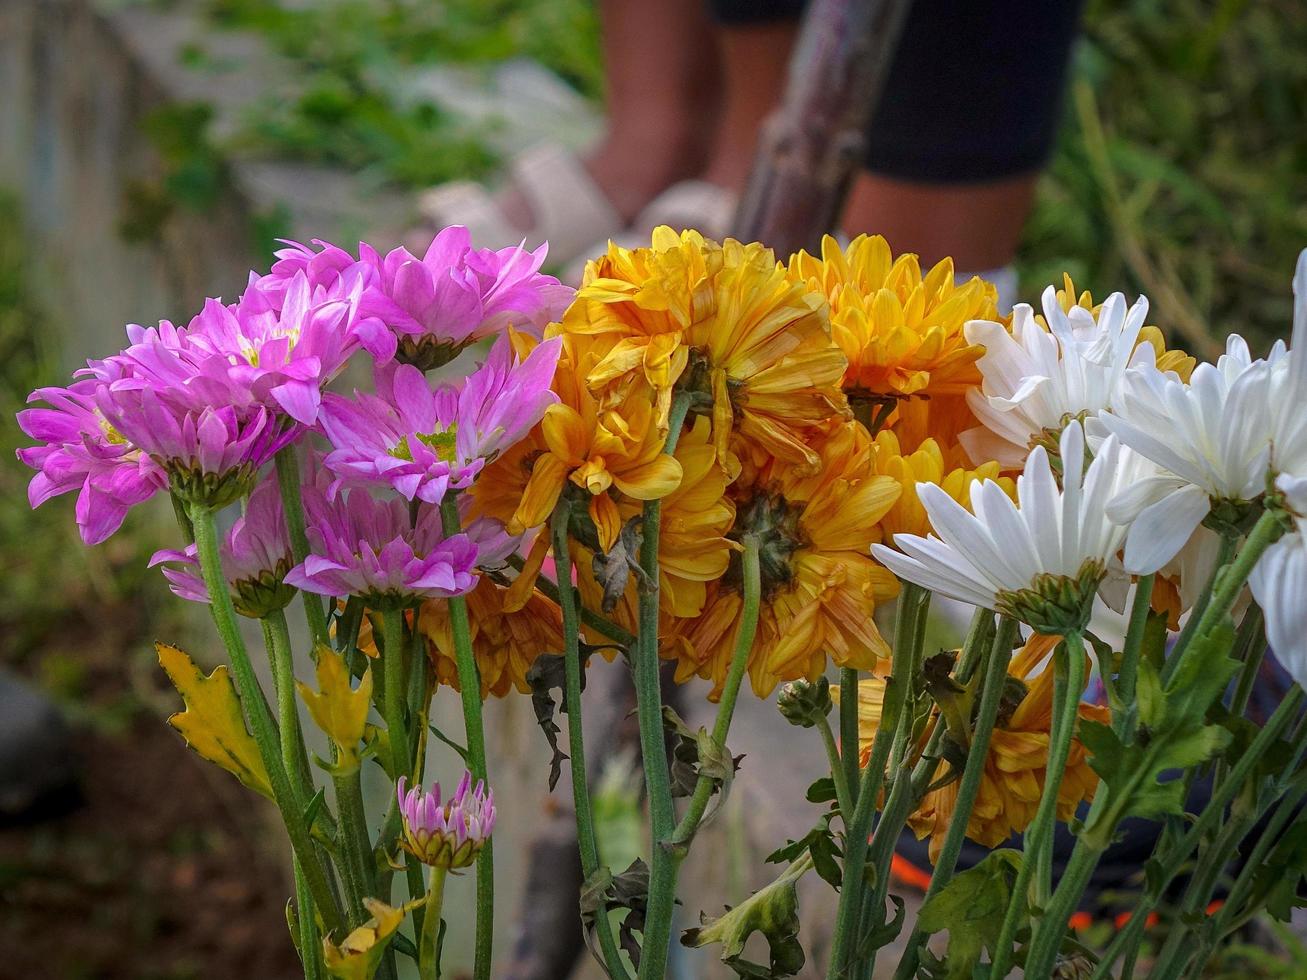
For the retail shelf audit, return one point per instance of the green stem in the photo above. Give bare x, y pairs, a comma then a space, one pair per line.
1040, 832
392, 698
1174, 860
836, 762
849, 753
1250, 647
653, 745
1200, 605
262, 727
703, 788
292, 504
469, 683
991, 694
294, 755
429, 943
359, 861
183, 519
907, 635
1134, 639
588, 617
309, 939
1229, 582
585, 825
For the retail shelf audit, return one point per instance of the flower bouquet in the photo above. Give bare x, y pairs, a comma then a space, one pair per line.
712, 462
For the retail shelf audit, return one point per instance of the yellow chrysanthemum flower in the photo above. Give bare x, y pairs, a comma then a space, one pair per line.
1016, 762
901, 331
1167, 360
723, 320
927, 464
820, 586
692, 546
598, 449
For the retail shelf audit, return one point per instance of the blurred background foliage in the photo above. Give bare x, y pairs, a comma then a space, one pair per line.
1181, 171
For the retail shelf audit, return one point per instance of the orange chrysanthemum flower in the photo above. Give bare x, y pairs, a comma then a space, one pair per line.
820, 586
505, 642
723, 320
1015, 766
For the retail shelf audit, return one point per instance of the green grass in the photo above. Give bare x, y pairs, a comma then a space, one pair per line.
1181, 168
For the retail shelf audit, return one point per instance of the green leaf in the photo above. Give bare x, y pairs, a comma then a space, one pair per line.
1150, 696
970, 908
772, 911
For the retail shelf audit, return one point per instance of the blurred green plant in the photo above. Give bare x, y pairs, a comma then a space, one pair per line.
1181, 168
343, 113
57, 592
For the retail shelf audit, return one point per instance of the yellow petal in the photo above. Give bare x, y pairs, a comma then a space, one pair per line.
212, 723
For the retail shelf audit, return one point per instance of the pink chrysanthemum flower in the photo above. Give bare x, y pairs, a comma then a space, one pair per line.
256, 556
282, 354
449, 835
367, 547
211, 455
81, 451
423, 441
455, 294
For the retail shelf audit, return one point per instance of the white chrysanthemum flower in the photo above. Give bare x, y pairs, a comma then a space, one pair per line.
1036, 380
1210, 440
1040, 560
1288, 401
1279, 583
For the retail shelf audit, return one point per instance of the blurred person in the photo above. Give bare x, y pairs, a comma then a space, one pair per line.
966, 120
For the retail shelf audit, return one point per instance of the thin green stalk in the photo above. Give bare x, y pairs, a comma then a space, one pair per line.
292, 504
1200, 605
262, 727
1250, 647
991, 694
907, 636
183, 519
590, 618
469, 682
585, 825
1229, 582
1174, 859
295, 758
310, 940
833, 756
392, 698
1134, 638
1040, 832
703, 788
653, 745
429, 943
354, 838
849, 731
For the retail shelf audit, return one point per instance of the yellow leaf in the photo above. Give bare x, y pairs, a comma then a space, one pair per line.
339, 710
358, 957
212, 723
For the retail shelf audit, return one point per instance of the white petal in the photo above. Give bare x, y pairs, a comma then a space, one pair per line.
1162, 529
1279, 583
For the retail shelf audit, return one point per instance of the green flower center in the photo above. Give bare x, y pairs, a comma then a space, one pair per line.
111, 435
1055, 604
443, 444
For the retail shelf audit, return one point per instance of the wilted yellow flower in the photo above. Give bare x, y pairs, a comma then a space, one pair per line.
927, 464
901, 331
820, 586
1167, 360
1016, 765
722, 320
